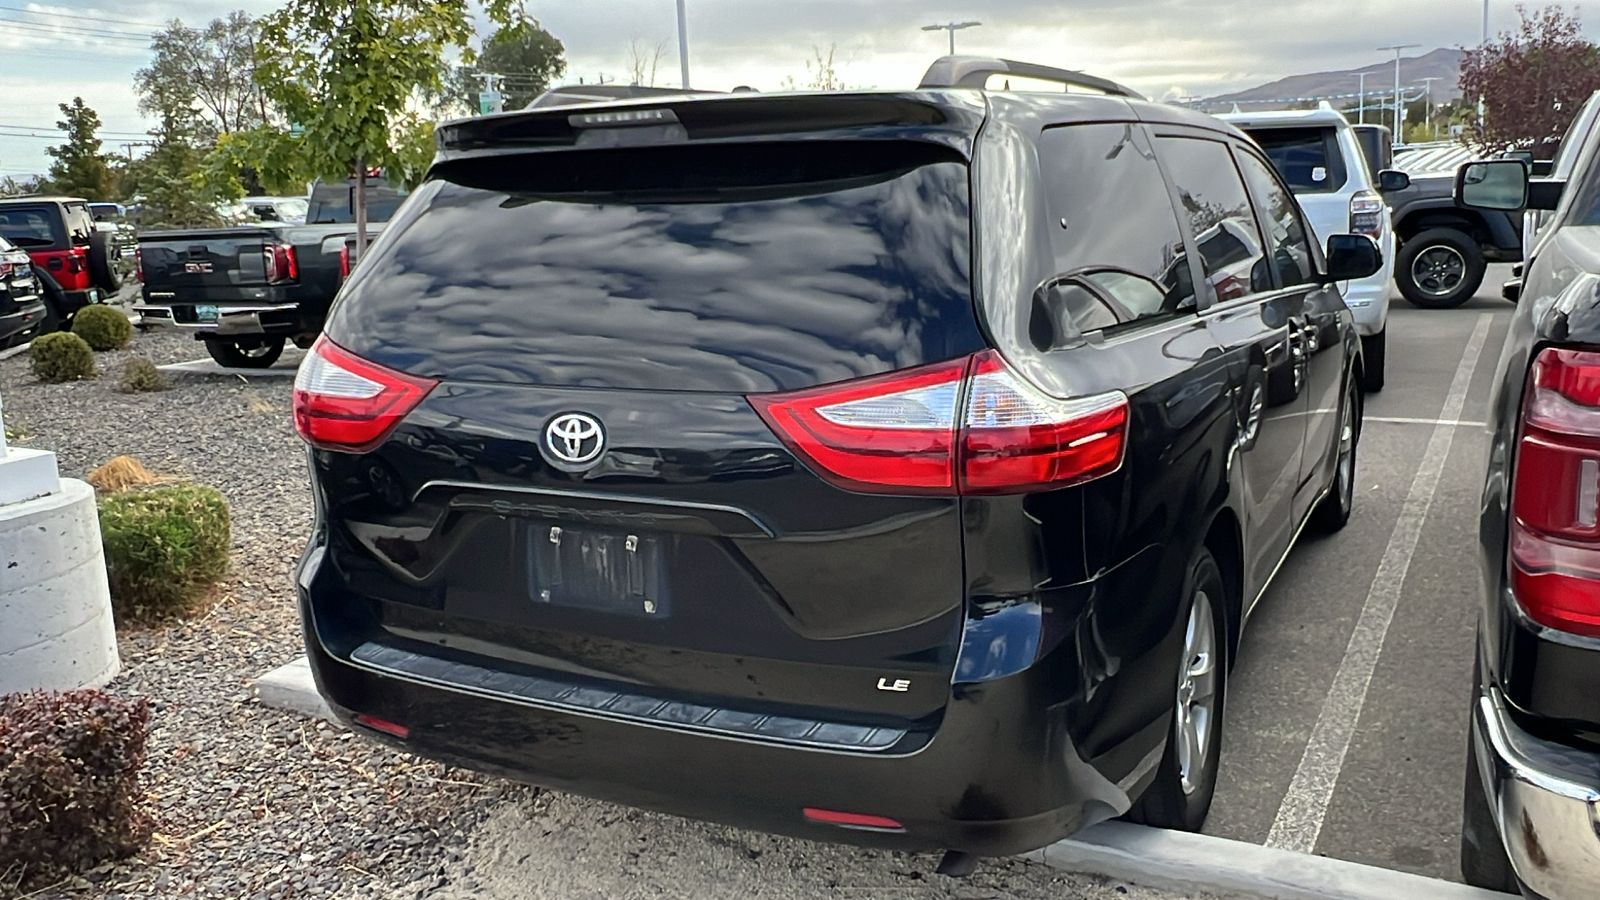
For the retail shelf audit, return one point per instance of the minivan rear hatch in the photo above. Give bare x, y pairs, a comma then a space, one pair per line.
649, 289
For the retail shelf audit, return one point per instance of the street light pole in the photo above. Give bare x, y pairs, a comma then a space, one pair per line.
683, 44
1399, 101
952, 27
1427, 114
1361, 105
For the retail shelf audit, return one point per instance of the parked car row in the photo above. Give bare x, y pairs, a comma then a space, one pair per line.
929, 448
73, 262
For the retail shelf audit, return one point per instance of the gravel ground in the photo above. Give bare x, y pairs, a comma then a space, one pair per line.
254, 803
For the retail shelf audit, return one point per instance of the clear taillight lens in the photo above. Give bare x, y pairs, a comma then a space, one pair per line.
342, 402
969, 426
1555, 494
1366, 214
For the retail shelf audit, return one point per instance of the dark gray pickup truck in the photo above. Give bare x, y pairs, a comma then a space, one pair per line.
1445, 248
247, 291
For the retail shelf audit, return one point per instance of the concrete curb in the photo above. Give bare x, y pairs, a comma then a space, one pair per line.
291, 688
1178, 861
1148, 857
283, 370
18, 350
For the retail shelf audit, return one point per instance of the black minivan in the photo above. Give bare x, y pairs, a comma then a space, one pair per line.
894, 468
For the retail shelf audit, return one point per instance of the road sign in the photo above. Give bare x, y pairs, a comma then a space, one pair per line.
490, 102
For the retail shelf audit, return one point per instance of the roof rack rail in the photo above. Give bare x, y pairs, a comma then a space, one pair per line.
975, 72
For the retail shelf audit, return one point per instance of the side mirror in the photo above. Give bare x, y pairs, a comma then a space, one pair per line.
1352, 257
1392, 181
1495, 184
1523, 156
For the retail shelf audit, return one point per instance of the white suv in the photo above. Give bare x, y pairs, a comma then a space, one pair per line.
1321, 159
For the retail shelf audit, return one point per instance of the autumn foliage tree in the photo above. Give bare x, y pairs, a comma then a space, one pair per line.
1532, 81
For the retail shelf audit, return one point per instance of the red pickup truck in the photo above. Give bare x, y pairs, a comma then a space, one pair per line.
75, 262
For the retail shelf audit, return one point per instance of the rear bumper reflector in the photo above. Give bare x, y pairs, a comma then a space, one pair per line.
547, 693
854, 821
383, 725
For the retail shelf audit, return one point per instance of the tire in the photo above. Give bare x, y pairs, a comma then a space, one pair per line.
55, 300
250, 353
1180, 796
102, 263
1333, 513
1439, 269
1373, 350
1484, 862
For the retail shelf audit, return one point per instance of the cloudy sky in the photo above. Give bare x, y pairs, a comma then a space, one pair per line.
51, 52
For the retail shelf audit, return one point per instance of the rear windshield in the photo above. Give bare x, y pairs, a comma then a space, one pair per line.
29, 226
739, 268
1307, 158
335, 205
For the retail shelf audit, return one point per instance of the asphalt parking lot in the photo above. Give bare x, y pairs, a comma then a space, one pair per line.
1345, 731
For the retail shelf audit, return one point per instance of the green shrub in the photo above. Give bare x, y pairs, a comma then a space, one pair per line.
141, 375
104, 327
164, 547
69, 781
61, 357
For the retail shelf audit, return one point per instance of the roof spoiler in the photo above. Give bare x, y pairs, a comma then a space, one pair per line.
975, 72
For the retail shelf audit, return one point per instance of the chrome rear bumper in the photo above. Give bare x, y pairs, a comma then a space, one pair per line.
231, 320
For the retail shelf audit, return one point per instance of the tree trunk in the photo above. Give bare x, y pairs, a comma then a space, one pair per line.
361, 207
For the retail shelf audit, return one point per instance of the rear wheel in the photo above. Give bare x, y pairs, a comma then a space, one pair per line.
1373, 350
1334, 510
1484, 862
1439, 269
103, 263
250, 353
1180, 796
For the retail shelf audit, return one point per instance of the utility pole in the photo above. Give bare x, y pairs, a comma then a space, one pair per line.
1481, 46
952, 27
1427, 114
683, 44
1399, 102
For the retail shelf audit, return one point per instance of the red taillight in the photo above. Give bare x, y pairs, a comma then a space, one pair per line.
1555, 494
342, 402
1366, 214
344, 262
138, 265
852, 820
968, 426
281, 264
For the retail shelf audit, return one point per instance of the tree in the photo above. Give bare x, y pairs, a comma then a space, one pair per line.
821, 73
214, 67
80, 169
527, 58
643, 61
1532, 82
348, 71
172, 177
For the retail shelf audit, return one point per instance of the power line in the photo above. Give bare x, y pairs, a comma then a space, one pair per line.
66, 33
83, 18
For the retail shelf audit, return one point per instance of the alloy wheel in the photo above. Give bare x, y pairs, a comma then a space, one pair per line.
1439, 271
1197, 693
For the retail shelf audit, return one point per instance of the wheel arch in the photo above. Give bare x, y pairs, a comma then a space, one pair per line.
1225, 540
1417, 220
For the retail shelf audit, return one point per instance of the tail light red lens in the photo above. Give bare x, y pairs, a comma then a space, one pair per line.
858, 821
344, 262
1366, 214
138, 265
968, 426
281, 264
342, 402
1555, 494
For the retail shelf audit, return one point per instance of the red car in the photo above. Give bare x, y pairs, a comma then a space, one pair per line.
75, 262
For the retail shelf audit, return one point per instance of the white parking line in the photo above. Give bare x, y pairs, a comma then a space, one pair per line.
1400, 420
1305, 806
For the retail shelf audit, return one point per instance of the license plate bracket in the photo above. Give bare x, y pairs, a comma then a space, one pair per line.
599, 569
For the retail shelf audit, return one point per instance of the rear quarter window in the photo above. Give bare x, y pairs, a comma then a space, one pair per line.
1309, 159
736, 268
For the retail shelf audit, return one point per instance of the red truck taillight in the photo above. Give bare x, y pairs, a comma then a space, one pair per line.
281, 264
1555, 494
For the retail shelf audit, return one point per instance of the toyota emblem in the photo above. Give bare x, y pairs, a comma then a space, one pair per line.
574, 440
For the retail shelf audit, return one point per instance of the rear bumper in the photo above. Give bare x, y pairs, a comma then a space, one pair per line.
77, 300
22, 318
241, 320
998, 776
1546, 798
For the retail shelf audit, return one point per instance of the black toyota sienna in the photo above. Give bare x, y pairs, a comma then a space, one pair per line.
892, 468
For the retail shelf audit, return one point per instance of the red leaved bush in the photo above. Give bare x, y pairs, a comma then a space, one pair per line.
69, 780
1532, 82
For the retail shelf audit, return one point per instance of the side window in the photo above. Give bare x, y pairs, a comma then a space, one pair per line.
79, 223
1286, 233
1111, 220
1224, 225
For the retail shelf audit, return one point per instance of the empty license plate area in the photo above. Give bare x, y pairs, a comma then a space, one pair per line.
589, 568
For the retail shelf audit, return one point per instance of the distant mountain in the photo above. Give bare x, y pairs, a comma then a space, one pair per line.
1443, 64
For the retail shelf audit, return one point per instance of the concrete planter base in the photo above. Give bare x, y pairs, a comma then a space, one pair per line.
56, 629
